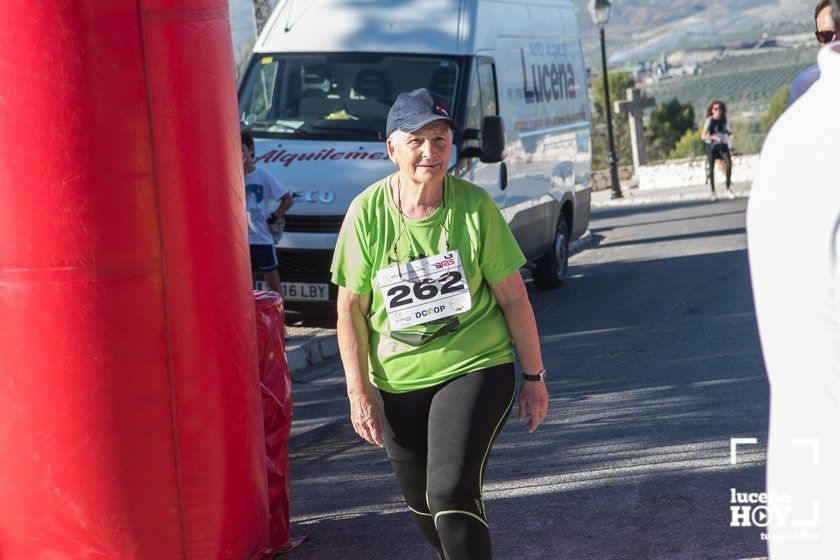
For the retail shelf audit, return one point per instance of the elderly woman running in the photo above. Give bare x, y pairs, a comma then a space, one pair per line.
430, 307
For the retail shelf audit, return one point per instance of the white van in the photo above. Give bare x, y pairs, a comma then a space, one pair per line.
324, 73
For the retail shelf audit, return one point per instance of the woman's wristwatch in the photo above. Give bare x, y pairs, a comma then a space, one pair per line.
539, 376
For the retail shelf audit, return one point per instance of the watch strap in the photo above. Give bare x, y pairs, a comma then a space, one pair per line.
539, 376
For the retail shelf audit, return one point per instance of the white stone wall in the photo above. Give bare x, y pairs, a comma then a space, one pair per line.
601, 179
692, 171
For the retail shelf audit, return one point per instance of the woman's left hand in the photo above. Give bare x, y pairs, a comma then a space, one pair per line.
512, 297
533, 403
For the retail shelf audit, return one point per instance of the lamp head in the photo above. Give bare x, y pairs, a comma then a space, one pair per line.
600, 11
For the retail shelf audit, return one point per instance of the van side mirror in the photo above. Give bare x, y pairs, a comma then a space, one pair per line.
492, 139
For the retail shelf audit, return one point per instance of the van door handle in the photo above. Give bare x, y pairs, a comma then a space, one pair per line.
503, 176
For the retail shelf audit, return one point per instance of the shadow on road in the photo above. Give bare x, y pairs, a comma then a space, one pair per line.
679, 237
654, 364
682, 220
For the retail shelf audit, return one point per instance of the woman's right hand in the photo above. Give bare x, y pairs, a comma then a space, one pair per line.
367, 418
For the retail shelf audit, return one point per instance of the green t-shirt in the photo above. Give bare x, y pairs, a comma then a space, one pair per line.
489, 254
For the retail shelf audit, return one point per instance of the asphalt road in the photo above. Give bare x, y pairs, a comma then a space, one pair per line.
654, 364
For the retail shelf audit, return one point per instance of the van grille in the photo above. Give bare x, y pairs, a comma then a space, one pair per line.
305, 265
313, 224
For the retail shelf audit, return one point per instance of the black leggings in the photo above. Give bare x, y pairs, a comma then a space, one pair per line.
719, 151
438, 440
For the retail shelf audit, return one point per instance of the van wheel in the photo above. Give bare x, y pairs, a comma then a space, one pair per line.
552, 267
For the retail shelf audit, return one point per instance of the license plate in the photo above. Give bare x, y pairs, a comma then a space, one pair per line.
302, 291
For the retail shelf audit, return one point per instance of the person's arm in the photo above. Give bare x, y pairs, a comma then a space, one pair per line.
277, 191
286, 202
705, 135
512, 297
354, 345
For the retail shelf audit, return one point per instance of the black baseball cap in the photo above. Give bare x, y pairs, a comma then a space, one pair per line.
415, 109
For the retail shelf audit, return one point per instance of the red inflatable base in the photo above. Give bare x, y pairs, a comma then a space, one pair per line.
276, 385
130, 422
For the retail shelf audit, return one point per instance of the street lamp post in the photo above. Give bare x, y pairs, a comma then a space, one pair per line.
600, 10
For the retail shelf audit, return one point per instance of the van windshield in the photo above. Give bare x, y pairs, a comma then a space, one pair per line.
336, 95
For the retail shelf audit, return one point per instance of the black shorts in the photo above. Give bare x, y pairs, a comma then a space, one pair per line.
263, 258
717, 150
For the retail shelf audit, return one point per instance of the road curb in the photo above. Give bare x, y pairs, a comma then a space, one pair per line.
581, 243
319, 348
662, 199
311, 351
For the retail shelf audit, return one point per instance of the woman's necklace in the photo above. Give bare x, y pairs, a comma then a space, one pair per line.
404, 227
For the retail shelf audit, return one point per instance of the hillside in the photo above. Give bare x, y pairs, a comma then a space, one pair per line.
744, 82
642, 29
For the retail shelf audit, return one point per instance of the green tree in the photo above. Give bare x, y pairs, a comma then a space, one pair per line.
778, 104
668, 124
618, 83
689, 145
748, 135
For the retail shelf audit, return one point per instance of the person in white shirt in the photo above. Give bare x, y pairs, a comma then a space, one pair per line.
793, 231
825, 33
262, 192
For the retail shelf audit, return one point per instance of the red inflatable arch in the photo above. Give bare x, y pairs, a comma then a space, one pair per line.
130, 422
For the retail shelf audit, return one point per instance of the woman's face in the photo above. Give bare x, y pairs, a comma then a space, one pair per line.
422, 156
717, 111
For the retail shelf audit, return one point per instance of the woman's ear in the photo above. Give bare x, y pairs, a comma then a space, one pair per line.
391, 149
